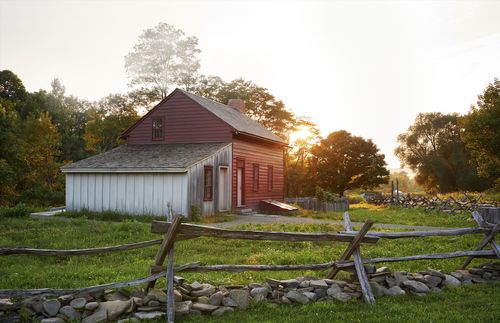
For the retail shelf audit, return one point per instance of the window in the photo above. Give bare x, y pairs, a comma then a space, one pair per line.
270, 174
208, 187
157, 128
255, 177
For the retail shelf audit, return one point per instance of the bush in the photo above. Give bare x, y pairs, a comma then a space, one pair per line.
195, 214
18, 211
325, 196
355, 199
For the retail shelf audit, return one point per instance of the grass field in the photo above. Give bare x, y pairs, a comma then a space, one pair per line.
65, 272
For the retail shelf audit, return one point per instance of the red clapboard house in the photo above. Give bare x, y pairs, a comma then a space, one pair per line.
188, 151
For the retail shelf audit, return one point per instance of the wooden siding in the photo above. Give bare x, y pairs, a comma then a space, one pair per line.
128, 193
264, 155
184, 122
195, 180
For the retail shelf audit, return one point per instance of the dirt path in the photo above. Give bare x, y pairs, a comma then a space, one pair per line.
263, 219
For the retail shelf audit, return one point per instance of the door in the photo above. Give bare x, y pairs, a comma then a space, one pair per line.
223, 188
239, 185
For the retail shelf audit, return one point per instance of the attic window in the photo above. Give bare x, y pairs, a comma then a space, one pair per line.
157, 128
208, 187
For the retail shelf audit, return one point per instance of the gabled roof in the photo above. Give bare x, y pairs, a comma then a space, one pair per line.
240, 122
146, 158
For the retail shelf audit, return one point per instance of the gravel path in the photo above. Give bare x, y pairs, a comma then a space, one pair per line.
263, 219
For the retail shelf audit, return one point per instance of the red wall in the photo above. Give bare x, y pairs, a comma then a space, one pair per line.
264, 155
184, 121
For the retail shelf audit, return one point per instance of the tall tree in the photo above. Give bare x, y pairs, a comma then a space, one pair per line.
481, 132
163, 57
342, 162
432, 148
107, 121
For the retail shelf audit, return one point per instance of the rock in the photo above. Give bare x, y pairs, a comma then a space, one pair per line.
137, 293
148, 308
222, 310
383, 269
312, 296
153, 303
341, 283
390, 281
177, 296
416, 286
370, 269
451, 281
78, 303
53, 320
37, 305
333, 290
216, 299
241, 297
394, 291
99, 316
116, 308
476, 271
91, 306
226, 301
65, 299
203, 299
115, 296
320, 292
377, 289
297, 297
204, 307
70, 313
285, 300
457, 275
158, 295
183, 308
51, 307
254, 285
400, 277
207, 291
148, 315
343, 297
487, 275
179, 280
195, 286
290, 283
195, 312
478, 280
433, 281
320, 283
259, 293
436, 273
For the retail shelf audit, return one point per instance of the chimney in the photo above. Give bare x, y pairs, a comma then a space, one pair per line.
237, 104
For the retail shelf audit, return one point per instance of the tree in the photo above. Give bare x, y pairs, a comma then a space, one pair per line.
342, 161
163, 57
107, 121
432, 148
481, 132
11, 87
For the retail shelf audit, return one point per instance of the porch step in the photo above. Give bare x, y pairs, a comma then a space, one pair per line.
246, 212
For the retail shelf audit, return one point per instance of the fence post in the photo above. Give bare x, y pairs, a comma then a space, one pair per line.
489, 238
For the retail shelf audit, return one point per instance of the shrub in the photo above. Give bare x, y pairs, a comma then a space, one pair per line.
355, 199
195, 214
18, 211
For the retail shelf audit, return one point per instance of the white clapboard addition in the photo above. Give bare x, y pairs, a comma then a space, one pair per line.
141, 193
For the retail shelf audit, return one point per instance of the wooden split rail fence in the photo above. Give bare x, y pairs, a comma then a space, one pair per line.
174, 230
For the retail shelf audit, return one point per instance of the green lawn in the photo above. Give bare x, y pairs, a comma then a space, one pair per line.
66, 272
381, 214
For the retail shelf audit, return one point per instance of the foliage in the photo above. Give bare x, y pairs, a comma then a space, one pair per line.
325, 196
432, 148
481, 132
342, 161
195, 213
406, 183
18, 211
107, 121
163, 56
108, 216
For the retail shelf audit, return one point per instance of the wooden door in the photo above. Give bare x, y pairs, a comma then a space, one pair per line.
223, 188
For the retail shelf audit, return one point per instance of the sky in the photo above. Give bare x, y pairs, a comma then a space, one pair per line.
368, 67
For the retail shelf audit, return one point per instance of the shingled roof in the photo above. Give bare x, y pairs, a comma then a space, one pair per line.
151, 157
239, 121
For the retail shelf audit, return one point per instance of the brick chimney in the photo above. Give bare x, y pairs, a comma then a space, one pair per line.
237, 104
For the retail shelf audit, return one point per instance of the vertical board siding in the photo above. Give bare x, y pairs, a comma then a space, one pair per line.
185, 122
264, 156
195, 181
140, 194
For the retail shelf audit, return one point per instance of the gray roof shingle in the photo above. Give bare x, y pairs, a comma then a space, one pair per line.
239, 121
151, 156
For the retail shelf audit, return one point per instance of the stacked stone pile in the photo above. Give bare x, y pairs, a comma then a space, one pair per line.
198, 299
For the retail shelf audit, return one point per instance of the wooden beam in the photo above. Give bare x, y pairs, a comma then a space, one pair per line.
433, 233
447, 255
193, 230
482, 244
170, 274
77, 252
352, 246
166, 245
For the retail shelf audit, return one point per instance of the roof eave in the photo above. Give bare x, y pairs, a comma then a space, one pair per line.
126, 170
282, 143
